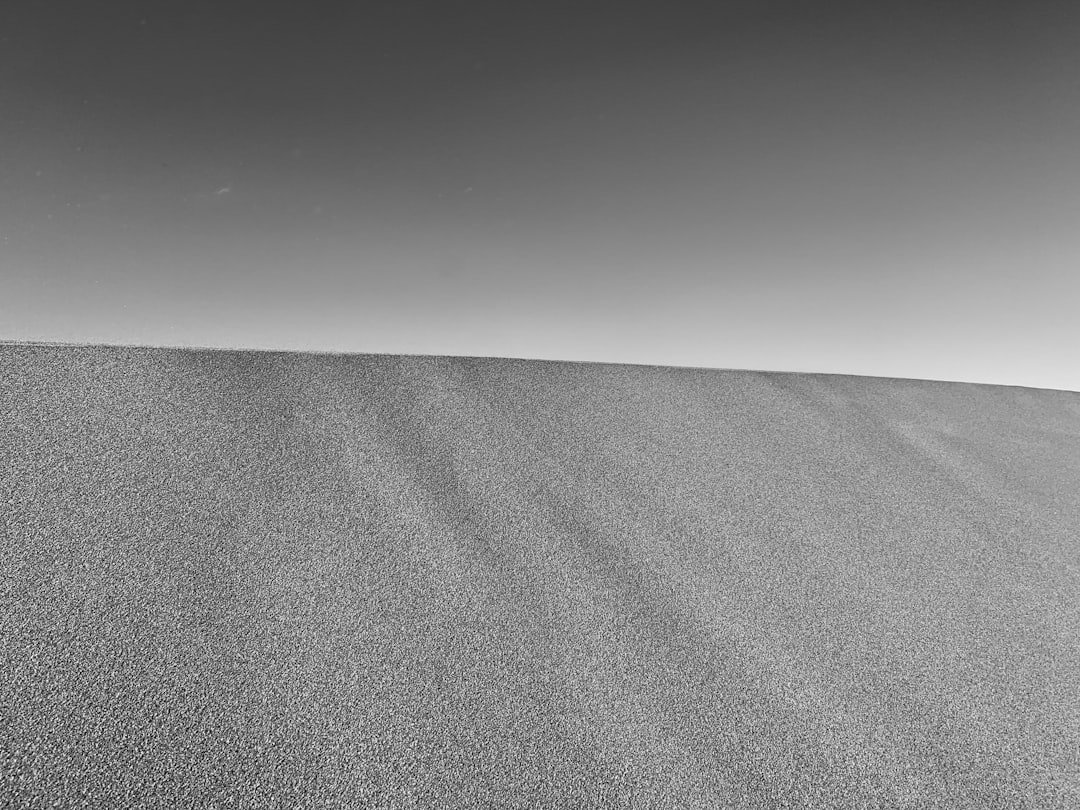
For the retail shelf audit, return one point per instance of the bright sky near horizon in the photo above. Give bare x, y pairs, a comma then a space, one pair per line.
863, 188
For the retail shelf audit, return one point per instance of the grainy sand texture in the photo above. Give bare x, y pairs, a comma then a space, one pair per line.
256, 579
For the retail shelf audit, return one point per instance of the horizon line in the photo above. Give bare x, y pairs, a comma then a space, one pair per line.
345, 353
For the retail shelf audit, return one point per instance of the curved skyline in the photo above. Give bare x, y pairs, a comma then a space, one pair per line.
800, 187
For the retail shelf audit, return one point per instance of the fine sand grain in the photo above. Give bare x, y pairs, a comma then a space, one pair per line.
247, 579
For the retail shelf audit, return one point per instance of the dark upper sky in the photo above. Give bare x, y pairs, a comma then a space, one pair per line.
878, 188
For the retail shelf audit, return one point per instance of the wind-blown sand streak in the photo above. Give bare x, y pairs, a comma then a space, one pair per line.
321, 581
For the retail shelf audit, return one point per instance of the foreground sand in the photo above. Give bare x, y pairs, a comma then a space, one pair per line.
273, 580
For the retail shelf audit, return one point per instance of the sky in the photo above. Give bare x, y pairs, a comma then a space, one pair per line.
889, 189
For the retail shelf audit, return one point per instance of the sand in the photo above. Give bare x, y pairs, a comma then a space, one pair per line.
255, 579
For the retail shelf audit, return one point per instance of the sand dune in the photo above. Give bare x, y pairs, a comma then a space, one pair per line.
262, 579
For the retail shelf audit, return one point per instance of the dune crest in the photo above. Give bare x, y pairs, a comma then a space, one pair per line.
331, 580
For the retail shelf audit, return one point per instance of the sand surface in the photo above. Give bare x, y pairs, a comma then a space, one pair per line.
237, 579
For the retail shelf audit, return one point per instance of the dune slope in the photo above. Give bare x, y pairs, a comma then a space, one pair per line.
268, 579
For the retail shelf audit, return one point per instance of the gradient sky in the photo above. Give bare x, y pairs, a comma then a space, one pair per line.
869, 188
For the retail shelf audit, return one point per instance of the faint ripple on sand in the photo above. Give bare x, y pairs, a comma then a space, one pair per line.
335, 581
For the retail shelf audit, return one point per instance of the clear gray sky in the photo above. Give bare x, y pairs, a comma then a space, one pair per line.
868, 188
